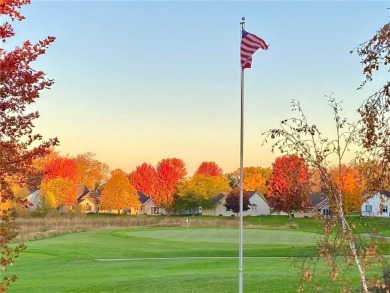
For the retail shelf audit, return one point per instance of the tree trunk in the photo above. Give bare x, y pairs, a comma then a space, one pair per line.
351, 243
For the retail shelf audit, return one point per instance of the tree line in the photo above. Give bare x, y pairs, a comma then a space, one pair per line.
286, 185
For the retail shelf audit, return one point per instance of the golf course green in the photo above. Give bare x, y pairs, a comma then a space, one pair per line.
164, 260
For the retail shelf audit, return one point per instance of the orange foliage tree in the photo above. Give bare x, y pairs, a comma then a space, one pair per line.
91, 173
288, 185
255, 182
144, 178
255, 178
118, 193
351, 186
20, 86
209, 168
59, 192
170, 172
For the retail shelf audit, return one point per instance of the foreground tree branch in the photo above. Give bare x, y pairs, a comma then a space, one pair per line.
20, 86
297, 136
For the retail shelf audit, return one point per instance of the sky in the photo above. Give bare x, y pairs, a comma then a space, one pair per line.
141, 81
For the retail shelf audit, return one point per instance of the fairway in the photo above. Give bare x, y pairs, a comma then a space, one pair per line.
251, 236
162, 260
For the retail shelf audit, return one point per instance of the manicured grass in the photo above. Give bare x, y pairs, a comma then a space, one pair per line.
164, 260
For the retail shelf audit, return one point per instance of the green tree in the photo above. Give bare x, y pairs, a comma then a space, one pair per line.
118, 193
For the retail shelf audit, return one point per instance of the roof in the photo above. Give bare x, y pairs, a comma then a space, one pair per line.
252, 193
218, 198
82, 190
317, 199
385, 193
93, 195
143, 198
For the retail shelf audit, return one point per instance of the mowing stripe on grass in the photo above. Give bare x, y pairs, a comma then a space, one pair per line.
184, 258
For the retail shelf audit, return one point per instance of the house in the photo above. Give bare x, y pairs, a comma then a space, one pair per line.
319, 206
218, 209
89, 201
35, 199
147, 205
376, 205
258, 205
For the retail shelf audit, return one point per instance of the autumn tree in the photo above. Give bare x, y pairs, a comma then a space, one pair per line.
170, 172
20, 86
351, 186
337, 246
59, 192
255, 178
118, 193
375, 110
288, 186
232, 202
209, 168
91, 172
145, 178
59, 184
36, 177
199, 190
61, 168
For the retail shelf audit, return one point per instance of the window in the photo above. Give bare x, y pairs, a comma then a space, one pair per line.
254, 208
384, 209
88, 207
369, 208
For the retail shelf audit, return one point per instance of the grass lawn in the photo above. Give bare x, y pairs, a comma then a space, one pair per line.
164, 260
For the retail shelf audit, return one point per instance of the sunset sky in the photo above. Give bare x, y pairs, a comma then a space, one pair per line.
140, 81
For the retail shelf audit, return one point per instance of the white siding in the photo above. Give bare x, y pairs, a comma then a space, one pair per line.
258, 206
35, 199
376, 206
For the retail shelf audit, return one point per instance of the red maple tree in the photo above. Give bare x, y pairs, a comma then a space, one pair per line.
20, 86
61, 167
288, 185
144, 178
209, 168
170, 172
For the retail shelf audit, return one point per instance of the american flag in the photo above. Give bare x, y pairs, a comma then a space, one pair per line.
249, 45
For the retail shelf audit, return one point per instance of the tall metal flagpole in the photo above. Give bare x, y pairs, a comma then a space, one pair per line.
240, 265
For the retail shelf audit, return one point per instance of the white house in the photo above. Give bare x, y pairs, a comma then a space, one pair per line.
258, 205
377, 205
148, 207
35, 199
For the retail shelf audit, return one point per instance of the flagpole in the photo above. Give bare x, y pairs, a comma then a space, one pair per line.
240, 265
